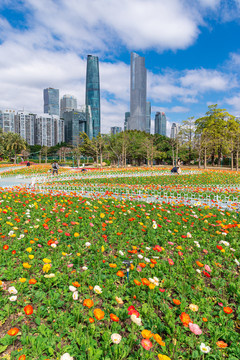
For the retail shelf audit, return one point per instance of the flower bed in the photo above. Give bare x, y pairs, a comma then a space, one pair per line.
111, 279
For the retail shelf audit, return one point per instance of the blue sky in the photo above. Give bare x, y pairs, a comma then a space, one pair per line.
191, 50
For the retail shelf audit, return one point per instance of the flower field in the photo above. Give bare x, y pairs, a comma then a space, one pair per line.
110, 278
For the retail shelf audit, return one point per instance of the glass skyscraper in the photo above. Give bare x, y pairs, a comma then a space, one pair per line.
138, 93
93, 94
51, 101
67, 103
160, 123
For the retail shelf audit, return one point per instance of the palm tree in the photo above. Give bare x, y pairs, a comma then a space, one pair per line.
15, 143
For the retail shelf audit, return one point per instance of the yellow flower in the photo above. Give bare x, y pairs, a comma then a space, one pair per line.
29, 249
163, 357
78, 254
31, 257
76, 234
151, 286
46, 261
179, 247
64, 254
22, 280
102, 249
223, 250
26, 265
146, 334
46, 268
102, 215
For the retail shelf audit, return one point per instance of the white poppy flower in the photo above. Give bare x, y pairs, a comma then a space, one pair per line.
116, 338
72, 288
75, 295
12, 290
97, 289
13, 298
66, 356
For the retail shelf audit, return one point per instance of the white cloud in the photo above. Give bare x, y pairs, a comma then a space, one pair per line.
235, 103
205, 80
97, 24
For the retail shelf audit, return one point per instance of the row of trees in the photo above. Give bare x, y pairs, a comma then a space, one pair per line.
210, 138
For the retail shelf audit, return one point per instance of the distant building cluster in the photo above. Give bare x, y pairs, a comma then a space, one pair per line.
63, 120
174, 130
36, 129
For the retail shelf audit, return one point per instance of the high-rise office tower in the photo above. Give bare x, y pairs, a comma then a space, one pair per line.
76, 121
160, 123
148, 117
67, 103
138, 93
93, 94
174, 131
51, 101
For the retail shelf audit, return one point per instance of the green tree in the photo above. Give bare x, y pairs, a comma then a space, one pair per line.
15, 143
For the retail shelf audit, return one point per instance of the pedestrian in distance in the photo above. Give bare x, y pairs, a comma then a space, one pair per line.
55, 168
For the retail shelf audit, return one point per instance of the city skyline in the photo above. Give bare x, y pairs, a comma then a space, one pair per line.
192, 54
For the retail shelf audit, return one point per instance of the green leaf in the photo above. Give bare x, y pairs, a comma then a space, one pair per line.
3, 348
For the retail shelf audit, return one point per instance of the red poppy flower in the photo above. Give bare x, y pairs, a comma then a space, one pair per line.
185, 319
227, 310
13, 331
206, 274
28, 310
5, 247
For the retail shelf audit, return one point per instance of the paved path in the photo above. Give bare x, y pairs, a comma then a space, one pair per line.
13, 181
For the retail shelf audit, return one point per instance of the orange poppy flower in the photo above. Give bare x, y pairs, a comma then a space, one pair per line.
158, 339
120, 273
153, 261
32, 281
176, 301
204, 319
91, 320
113, 265
221, 344
199, 264
88, 303
13, 331
22, 357
142, 265
76, 284
114, 317
90, 287
28, 310
99, 314
145, 281
146, 334
137, 282
185, 319
227, 310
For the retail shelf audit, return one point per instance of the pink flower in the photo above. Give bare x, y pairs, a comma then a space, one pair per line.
171, 262
170, 243
91, 224
70, 265
205, 251
180, 253
207, 268
39, 245
220, 304
139, 269
194, 328
146, 343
